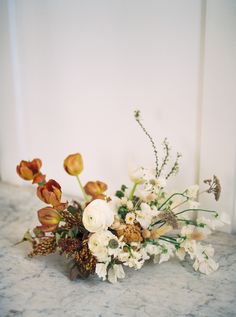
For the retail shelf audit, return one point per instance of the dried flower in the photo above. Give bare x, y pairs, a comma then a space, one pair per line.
86, 262
71, 219
73, 164
68, 245
169, 217
214, 186
50, 193
130, 233
45, 246
30, 170
156, 233
96, 189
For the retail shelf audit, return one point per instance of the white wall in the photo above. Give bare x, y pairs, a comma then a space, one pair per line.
218, 145
73, 72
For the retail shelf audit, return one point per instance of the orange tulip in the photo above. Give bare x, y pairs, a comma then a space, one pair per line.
73, 164
50, 193
49, 216
30, 170
96, 189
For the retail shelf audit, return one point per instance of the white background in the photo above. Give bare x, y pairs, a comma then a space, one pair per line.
73, 71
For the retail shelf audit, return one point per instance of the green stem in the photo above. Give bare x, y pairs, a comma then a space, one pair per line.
197, 209
168, 237
86, 198
157, 222
170, 241
131, 195
175, 194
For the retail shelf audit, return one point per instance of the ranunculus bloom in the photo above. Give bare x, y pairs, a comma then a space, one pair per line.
96, 189
97, 216
30, 170
73, 164
50, 193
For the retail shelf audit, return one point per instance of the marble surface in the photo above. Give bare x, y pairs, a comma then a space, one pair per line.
39, 287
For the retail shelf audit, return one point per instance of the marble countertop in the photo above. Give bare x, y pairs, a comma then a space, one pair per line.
39, 287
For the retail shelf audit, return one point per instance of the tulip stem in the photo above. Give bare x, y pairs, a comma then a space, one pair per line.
86, 198
131, 195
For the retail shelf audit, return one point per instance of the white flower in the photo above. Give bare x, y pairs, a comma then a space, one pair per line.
98, 243
145, 215
114, 204
149, 250
214, 222
97, 216
131, 259
203, 261
195, 232
130, 205
101, 270
129, 218
137, 175
192, 191
115, 272
166, 252
180, 253
146, 195
155, 183
114, 246
208, 266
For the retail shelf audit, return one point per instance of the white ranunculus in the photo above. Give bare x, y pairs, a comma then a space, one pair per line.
98, 244
97, 216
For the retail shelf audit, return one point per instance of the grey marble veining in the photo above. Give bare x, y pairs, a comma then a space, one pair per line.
39, 287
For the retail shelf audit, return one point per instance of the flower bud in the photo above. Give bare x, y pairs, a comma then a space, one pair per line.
49, 216
96, 189
73, 164
50, 193
30, 170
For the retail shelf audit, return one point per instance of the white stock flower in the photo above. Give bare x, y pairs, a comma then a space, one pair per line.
180, 253
214, 222
203, 259
97, 216
192, 191
101, 270
115, 272
166, 252
145, 215
131, 259
129, 218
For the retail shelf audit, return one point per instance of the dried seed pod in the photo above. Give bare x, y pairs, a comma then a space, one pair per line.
45, 246
85, 261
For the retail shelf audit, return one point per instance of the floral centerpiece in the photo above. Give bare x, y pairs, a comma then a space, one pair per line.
103, 233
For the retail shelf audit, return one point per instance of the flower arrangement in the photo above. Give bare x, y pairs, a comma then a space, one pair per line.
103, 233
